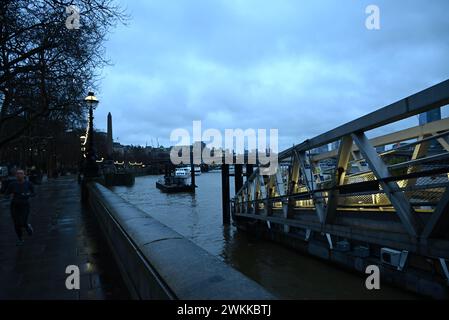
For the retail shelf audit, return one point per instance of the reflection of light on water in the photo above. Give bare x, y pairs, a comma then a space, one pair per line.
286, 273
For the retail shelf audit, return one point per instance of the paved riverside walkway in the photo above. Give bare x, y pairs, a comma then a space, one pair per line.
64, 234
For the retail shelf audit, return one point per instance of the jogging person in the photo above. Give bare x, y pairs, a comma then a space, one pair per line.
21, 191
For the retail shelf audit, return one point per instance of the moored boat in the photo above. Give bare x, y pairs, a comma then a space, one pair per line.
179, 181
174, 188
188, 170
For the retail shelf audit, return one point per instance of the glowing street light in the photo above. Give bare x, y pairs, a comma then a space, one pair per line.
91, 168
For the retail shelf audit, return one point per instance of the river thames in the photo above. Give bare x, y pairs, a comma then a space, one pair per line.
286, 273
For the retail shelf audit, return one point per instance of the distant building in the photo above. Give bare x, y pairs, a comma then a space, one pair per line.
160, 154
430, 116
118, 148
100, 135
321, 149
399, 145
380, 149
335, 145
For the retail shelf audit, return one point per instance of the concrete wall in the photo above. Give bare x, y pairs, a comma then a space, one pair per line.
159, 263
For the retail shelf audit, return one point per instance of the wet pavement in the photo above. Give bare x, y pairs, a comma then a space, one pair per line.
65, 234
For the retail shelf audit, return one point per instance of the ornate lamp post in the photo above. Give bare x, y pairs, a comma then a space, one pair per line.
91, 169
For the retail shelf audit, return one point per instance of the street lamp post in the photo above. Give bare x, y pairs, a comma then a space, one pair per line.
91, 169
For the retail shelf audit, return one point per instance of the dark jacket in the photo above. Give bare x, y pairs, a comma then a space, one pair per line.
21, 191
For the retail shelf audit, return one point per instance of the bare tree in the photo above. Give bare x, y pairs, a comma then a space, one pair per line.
47, 64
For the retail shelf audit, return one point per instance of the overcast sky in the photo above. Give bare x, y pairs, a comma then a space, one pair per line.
302, 67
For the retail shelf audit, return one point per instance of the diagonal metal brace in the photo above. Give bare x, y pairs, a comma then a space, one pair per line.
399, 201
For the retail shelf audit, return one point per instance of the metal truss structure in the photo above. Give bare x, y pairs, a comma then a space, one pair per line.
390, 190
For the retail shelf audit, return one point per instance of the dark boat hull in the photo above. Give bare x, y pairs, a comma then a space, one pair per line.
174, 188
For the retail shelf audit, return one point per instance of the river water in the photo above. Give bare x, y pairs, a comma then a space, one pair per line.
284, 272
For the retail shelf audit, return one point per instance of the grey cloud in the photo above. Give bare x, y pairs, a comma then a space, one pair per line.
303, 67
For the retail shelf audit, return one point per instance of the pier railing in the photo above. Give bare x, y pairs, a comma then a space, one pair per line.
390, 190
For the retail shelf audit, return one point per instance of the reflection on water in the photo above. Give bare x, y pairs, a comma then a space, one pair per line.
286, 273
